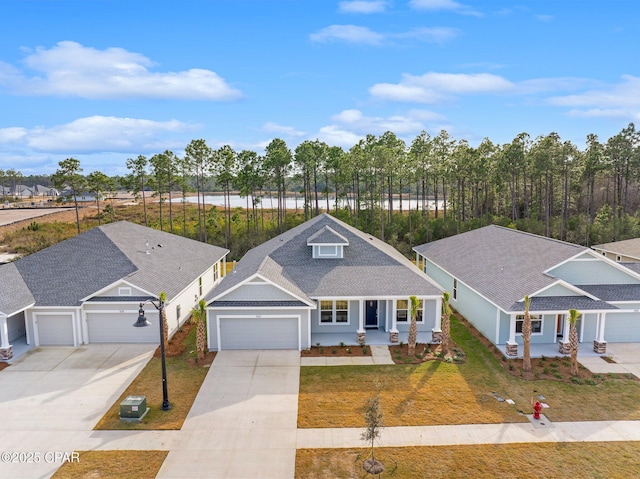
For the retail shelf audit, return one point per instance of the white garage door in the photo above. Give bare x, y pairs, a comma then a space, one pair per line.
258, 333
55, 329
622, 328
118, 328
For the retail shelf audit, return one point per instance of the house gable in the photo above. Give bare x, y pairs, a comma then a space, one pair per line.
590, 268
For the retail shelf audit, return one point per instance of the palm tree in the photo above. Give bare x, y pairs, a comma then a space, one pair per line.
526, 336
413, 328
165, 323
573, 340
199, 315
446, 325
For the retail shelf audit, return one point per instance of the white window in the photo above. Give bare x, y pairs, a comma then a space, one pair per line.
403, 311
455, 289
334, 312
327, 251
216, 272
124, 291
536, 323
200, 285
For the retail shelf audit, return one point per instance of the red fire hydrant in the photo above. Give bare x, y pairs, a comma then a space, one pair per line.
537, 407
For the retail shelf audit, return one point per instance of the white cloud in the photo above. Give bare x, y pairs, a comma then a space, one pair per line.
362, 6
433, 87
71, 69
366, 36
290, 131
447, 5
349, 126
349, 34
96, 134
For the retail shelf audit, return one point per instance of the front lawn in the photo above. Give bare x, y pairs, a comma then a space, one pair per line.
593, 459
436, 392
184, 378
113, 465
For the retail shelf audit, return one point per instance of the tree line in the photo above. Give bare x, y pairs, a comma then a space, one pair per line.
405, 194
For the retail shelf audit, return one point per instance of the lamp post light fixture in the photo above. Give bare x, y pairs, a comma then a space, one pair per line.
142, 322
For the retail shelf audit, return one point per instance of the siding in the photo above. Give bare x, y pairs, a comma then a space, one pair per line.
354, 308
558, 290
257, 292
592, 272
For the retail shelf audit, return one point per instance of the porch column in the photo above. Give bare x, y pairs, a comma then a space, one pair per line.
361, 334
599, 344
564, 345
393, 332
436, 332
512, 346
6, 350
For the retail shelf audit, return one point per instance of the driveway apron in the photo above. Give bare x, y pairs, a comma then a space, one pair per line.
243, 421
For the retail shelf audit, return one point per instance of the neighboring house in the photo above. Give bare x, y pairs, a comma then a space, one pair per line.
627, 251
88, 288
488, 272
321, 279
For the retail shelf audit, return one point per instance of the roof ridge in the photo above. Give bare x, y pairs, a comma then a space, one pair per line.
527, 233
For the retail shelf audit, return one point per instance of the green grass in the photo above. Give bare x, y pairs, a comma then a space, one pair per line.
436, 393
580, 460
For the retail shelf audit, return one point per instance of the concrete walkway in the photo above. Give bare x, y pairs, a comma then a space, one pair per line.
379, 355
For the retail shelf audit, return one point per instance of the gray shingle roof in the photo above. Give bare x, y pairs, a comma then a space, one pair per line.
635, 267
613, 292
370, 267
327, 235
14, 293
65, 273
562, 303
630, 247
500, 263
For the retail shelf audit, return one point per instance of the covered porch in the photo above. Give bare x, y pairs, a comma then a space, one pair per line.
551, 350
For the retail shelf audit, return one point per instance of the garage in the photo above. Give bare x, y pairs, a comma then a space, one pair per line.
622, 328
259, 332
118, 328
54, 329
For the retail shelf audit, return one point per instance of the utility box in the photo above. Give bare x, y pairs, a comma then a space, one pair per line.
133, 408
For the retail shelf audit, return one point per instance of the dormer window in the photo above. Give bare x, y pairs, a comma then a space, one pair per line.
327, 243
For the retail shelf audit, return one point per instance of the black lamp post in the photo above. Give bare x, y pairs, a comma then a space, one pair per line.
142, 322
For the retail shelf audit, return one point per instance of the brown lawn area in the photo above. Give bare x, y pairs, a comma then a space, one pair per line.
113, 465
436, 392
579, 460
184, 378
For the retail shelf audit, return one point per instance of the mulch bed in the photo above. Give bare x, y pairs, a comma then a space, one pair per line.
176, 347
4, 365
332, 351
556, 368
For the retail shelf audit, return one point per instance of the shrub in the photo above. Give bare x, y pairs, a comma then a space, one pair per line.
334, 351
558, 375
341, 344
576, 380
348, 350
590, 382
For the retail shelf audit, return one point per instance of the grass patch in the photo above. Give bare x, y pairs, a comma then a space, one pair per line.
596, 459
436, 392
184, 378
113, 465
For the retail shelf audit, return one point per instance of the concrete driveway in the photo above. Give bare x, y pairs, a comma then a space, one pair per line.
51, 396
243, 421
625, 355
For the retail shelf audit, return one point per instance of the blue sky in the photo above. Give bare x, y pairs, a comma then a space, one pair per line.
105, 80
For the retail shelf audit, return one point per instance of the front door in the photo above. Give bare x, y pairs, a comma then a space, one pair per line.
371, 313
560, 325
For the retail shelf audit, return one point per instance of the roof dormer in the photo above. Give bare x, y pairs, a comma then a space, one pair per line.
327, 244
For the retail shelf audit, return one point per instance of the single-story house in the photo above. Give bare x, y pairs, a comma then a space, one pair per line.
626, 251
88, 288
320, 282
489, 271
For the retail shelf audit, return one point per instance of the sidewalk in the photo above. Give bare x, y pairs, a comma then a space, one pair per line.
588, 431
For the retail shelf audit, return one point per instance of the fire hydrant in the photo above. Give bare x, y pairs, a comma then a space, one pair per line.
537, 407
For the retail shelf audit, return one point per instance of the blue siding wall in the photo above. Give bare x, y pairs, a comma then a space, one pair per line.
477, 310
316, 327
594, 271
558, 290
